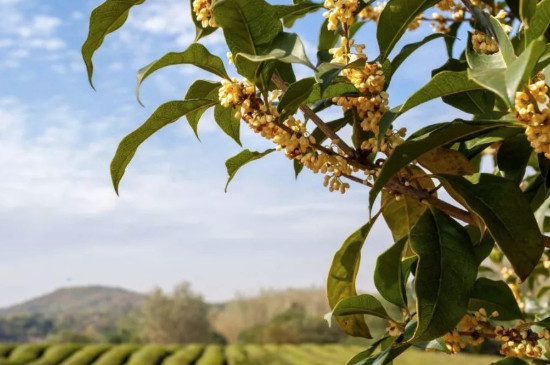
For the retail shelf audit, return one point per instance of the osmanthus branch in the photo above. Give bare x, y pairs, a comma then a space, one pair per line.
394, 184
318, 122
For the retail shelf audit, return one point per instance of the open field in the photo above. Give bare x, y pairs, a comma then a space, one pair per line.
195, 354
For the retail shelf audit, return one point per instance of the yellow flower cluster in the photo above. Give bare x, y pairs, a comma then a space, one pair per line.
533, 109
471, 329
340, 11
482, 43
289, 135
203, 12
518, 342
372, 102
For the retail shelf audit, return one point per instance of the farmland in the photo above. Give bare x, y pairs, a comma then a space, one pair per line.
196, 354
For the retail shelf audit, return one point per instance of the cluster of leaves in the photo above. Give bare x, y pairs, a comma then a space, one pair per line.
437, 256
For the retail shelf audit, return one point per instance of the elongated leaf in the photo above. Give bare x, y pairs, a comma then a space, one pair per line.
445, 273
394, 21
501, 75
196, 54
327, 38
298, 167
287, 47
510, 361
445, 161
342, 276
422, 142
403, 213
442, 84
335, 125
242, 158
165, 114
388, 276
105, 19
225, 118
296, 95
333, 90
201, 89
409, 49
360, 304
452, 37
477, 102
539, 22
249, 26
510, 221
290, 13
527, 10
513, 156
494, 296
327, 72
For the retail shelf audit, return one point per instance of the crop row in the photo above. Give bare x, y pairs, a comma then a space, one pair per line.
192, 354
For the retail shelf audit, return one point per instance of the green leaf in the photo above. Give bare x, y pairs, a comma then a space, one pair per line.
335, 125
452, 37
388, 276
249, 26
342, 276
201, 89
401, 215
527, 9
165, 114
477, 102
510, 361
196, 54
361, 357
200, 32
360, 304
510, 221
409, 49
394, 21
500, 74
287, 47
513, 156
335, 89
298, 167
242, 158
296, 95
290, 13
424, 141
539, 22
442, 84
327, 38
327, 72
494, 296
225, 118
445, 273
105, 19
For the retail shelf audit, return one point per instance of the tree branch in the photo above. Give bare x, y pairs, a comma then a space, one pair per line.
318, 122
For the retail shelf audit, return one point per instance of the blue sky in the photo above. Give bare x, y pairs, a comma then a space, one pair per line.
61, 224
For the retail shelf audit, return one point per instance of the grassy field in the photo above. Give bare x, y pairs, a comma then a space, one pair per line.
194, 354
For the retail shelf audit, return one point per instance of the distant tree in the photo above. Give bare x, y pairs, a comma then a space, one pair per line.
23, 328
246, 312
179, 317
292, 326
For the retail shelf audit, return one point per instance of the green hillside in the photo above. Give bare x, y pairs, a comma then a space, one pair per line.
78, 300
196, 354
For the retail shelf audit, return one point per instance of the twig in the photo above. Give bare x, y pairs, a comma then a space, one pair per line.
318, 122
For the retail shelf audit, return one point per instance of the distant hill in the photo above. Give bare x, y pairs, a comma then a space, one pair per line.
78, 301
